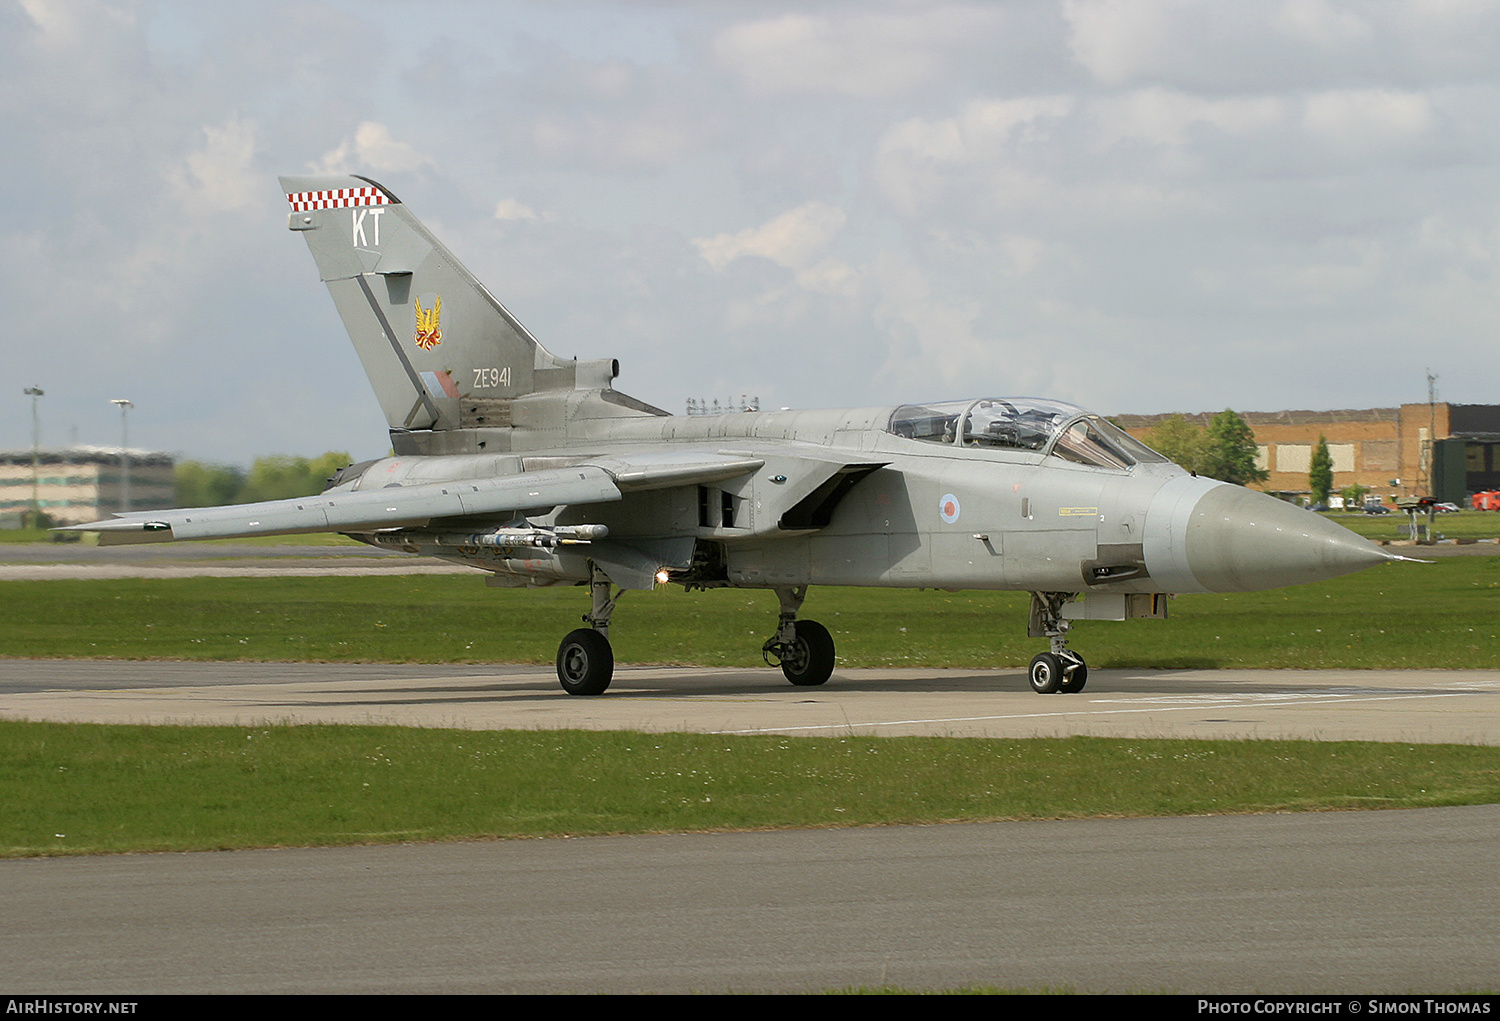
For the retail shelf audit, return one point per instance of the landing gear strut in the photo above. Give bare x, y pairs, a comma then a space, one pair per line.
803, 649
1061, 669
585, 660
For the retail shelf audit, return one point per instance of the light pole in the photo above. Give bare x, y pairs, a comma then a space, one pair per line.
125, 407
36, 432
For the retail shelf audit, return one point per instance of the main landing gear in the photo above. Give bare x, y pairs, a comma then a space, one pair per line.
586, 662
803, 649
1061, 669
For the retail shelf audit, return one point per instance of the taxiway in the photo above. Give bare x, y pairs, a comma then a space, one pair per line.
1353, 705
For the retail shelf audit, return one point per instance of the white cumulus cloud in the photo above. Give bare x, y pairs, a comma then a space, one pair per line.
795, 239
374, 148
220, 175
860, 54
514, 209
1361, 119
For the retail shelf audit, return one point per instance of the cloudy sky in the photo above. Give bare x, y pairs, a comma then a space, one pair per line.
1135, 205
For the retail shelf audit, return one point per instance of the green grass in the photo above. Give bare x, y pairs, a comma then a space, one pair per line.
1469, 524
1396, 616
24, 535
82, 788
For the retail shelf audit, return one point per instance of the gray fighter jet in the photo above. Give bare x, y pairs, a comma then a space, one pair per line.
537, 470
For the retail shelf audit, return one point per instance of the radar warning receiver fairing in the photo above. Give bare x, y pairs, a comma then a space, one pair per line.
538, 471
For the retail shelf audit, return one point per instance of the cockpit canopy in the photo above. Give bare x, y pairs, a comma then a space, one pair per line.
1024, 424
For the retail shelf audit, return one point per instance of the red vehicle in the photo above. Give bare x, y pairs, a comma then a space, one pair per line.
1488, 500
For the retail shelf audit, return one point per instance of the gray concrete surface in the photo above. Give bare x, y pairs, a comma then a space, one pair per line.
1373, 902
1376, 705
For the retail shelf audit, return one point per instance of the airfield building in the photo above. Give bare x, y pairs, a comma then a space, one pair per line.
1447, 451
79, 484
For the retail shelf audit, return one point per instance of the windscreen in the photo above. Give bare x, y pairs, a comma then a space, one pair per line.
1092, 440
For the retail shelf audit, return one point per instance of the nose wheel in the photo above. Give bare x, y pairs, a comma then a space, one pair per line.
1065, 673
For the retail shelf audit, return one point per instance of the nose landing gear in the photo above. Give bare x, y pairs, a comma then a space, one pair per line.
1065, 673
1060, 670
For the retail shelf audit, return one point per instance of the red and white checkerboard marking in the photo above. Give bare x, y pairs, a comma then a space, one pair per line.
337, 198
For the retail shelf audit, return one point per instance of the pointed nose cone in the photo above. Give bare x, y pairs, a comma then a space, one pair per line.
1232, 539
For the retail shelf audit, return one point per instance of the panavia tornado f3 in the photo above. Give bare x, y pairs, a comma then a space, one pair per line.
537, 470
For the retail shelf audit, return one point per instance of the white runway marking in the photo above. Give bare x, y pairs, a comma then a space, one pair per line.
1164, 703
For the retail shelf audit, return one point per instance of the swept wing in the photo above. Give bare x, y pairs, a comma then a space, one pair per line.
604, 480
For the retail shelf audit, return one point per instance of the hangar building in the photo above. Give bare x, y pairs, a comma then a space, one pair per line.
1448, 451
80, 484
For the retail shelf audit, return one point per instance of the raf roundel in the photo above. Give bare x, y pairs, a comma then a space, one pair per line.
948, 508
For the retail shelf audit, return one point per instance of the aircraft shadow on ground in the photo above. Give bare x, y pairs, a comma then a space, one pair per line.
542, 688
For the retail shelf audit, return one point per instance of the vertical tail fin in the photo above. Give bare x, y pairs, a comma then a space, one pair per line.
428, 333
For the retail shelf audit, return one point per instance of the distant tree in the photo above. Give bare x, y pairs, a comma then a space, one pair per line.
39, 521
207, 485
1354, 496
1320, 474
1230, 451
1178, 440
275, 477
279, 477
327, 466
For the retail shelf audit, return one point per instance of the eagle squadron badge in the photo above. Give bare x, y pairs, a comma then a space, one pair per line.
429, 335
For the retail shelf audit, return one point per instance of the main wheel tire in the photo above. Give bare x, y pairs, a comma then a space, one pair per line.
1073, 682
812, 661
585, 662
1046, 673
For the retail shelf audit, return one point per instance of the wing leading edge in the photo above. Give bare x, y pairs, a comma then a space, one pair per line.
418, 505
